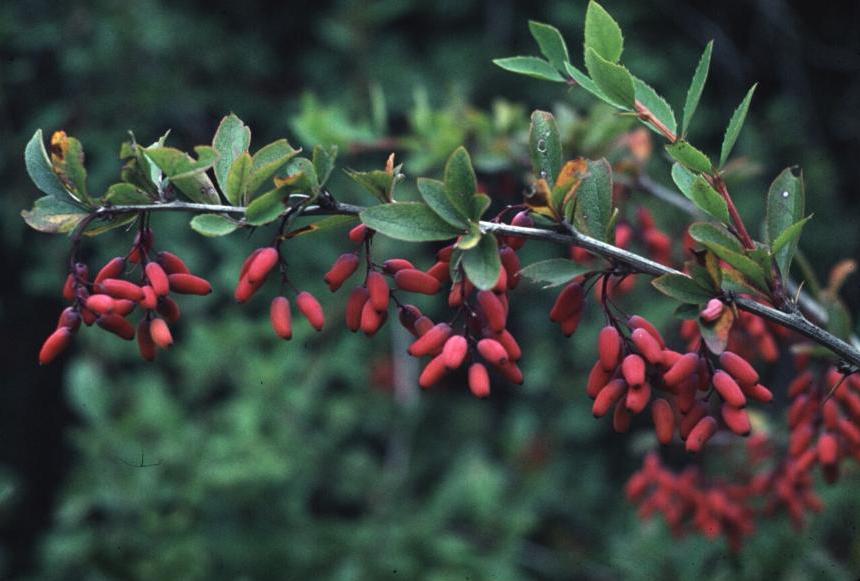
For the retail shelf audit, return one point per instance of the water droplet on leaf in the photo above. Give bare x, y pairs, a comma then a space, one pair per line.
784, 194
541, 145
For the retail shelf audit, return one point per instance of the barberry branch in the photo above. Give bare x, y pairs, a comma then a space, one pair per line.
790, 318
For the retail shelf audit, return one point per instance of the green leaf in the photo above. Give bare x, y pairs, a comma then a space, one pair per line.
40, 170
734, 127
612, 79
471, 239
460, 180
441, 201
410, 221
231, 140
551, 43
124, 193
697, 189
646, 95
531, 67
786, 204
694, 93
238, 178
480, 203
186, 173
586, 83
686, 311
213, 225
482, 263
545, 146
681, 288
267, 207
299, 175
723, 244
594, 200
323, 159
689, 157
789, 235
53, 215
378, 182
327, 223
709, 234
554, 271
267, 161
602, 33
67, 159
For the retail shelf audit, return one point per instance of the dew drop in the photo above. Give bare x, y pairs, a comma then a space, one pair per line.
784, 194
541, 145
543, 174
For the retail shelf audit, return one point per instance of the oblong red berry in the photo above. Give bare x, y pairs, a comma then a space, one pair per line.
515, 353
511, 372
800, 384
245, 290
160, 333
512, 265
371, 319
712, 311
56, 343
664, 420
171, 263
454, 351
736, 419
682, 369
432, 373
70, 319
121, 289
571, 324
281, 317
691, 418
621, 418
501, 285
849, 431
638, 322
431, 341
310, 307
143, 241
729, 389
828, 449
354, 305
169, 309
647, 345
116, 325
568, 303
157, 279
343, 268
413, 280
245, 265
597, 379
69, 288
479, 380
609, 347
378, 291
799, 440
145, 344
123, 307
701, 433
408, 315
359, 234
493, 351
633, 369
608, 397
422, 325
494, 310
262, 265
830, 414
189, 284
638, 397
440, 271
150, 299
444, 254
393, 265
739, 368
113, 269
101, 304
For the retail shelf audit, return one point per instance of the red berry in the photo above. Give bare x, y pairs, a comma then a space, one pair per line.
408, 315
682, 369
121, 289
371, 319
245, 290
171, 263
168, 309
444, 253
378, 291
454, 352
56, 343
262, 264
359, 233
281, 317
160, 333
493, 310
422, 325
609, 347
433, 372
647, 345
393, 265
510, 344
343, 268
712, 311
568, 303
828, 449
637, 322
493, 351
430, 342
144, 340
728, 389
101, 304
739, 368
113, 269
737, 419
357, 298
664, 420
511, 264
701, 433
633, 369
70, 319
143, 242
571, 324
479, 380
621, 418
597, 379
609, 396
511, 372
413, 280
440, 272
150, 299
245, 265
189, 284
310, 307
123, 307
116, 325
69, 288
638, 397
157, 279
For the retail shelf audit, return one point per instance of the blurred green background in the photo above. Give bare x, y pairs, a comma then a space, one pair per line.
319, 458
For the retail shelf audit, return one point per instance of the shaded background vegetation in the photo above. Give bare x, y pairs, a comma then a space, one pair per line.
286, 461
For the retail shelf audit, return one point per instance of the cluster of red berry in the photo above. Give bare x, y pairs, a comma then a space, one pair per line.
108, 299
